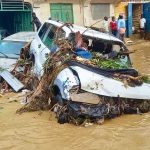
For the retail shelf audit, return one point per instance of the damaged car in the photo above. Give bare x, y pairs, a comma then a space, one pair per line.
97, 82
12, 53
11, 46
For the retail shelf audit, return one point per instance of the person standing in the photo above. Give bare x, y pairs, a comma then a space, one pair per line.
113, 26
105, 25
36, 21
121, 26
142, 26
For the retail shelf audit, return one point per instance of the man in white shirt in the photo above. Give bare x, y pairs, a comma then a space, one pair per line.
142, 26
105, 25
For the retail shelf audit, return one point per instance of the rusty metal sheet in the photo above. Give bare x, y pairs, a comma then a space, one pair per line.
11, 80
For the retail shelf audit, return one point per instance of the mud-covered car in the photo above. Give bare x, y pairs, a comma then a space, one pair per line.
100, 76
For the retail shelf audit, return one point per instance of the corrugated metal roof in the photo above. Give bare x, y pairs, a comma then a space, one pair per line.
11, 80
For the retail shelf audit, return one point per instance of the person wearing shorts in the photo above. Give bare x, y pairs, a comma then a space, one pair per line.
121, 26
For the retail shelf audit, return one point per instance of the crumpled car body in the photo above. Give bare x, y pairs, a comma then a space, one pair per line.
97, 83
78, 76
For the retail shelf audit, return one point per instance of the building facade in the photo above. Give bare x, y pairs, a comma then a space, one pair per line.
81, 12
132, 10
66, 10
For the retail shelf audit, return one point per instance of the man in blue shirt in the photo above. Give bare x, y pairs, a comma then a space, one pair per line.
121, 26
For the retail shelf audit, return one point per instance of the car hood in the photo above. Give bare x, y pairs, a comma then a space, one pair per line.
93, 82
21, 36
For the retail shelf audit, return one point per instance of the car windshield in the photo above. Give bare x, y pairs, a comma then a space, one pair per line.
11, 49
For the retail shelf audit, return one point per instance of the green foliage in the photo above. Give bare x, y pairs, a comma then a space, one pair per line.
109, 63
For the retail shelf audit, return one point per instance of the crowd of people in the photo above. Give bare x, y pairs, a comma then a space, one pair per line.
118, 27
115, 27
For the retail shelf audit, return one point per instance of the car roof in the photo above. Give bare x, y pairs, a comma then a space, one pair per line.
21, 36
87, 31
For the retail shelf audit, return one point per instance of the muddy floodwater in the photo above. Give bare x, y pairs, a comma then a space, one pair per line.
40, 130
141, 57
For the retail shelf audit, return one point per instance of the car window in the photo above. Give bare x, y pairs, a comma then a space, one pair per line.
47, 34
43, 30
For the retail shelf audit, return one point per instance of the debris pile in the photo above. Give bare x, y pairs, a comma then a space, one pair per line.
20, 76
76, 112
76, 50
39, 99
108, 108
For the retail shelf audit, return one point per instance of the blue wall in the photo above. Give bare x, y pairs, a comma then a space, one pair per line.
146, 12
129, 22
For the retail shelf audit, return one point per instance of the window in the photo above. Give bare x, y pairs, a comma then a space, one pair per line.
99, 11
43, 30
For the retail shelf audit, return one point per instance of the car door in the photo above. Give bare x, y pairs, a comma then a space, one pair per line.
48, 41
45, 40
36, 47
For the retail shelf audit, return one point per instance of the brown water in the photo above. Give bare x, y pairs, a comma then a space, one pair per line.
141, 58
40, 130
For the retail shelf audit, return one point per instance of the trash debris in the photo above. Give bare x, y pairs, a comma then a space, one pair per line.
108, 108
23, 101
25, 91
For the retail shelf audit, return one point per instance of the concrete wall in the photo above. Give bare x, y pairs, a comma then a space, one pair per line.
42, 9
88, 21
81, 10
121, 9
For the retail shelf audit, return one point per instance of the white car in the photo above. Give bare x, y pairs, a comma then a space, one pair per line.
88, 79
42, 44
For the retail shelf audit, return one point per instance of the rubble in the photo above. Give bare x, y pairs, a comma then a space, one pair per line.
78, 113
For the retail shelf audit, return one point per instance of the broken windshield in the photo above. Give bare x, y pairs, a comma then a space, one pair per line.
105, 53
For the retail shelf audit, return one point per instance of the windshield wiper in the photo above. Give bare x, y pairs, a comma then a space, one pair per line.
4, 54
16, 54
